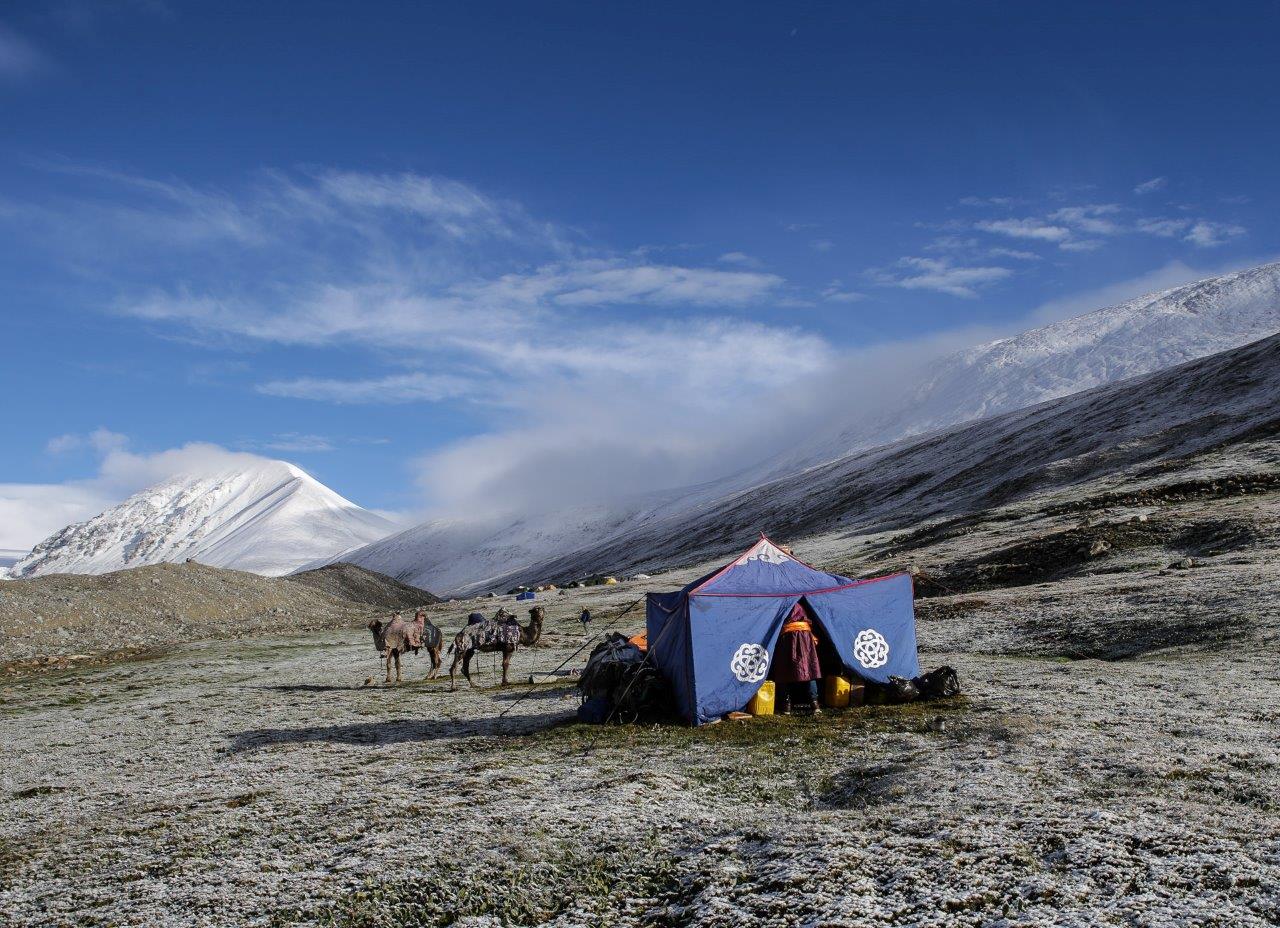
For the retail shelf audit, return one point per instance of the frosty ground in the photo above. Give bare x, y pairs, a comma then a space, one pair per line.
260, 782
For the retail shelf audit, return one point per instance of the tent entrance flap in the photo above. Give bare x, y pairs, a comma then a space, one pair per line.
872, 627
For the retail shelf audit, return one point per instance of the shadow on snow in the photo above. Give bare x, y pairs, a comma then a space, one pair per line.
394, 731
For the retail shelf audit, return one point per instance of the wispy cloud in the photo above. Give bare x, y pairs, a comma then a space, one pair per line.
1000, 202
305, 443
1087, 227
1082, 245
939, 274
1090, 219
1163, 228
1016, 254
100, 440
396, 388
1151, 186
739, 258
1206, 234
1029, 228
19, 59
974, 248
836, 292
298, 443
822, 244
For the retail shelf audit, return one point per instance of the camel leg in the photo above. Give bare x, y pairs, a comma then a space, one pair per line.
506, 662
389, 652
434, 654
397, 666
466, 667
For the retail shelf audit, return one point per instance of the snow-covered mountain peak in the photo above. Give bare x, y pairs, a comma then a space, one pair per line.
268, 517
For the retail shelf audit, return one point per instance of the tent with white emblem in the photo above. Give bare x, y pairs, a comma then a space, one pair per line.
714, 639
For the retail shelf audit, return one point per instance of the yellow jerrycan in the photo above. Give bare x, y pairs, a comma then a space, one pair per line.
837, 692
762, 702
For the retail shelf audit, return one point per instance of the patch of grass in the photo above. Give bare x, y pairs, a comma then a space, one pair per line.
600, 884
32, 791
766, 733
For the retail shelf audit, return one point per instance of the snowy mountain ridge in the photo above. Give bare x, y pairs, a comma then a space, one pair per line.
1140, 336
270, 518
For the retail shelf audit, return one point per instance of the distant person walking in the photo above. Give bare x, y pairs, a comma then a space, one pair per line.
585, 618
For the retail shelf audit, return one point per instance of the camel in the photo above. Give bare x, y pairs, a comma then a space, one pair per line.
501, 633
399, 636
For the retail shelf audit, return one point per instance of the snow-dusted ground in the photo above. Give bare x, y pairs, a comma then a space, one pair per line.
269, 518
243, 783
1150, 333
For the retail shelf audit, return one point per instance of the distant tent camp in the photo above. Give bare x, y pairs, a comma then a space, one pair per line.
715, 638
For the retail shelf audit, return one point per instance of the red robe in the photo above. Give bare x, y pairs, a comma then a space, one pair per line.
796, 659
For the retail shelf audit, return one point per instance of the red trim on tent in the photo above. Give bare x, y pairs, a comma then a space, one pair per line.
830, 589
763, 537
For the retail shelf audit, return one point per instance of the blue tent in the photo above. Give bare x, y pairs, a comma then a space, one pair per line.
714, 639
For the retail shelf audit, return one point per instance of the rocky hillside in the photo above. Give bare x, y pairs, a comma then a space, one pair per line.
357, 584
160, 606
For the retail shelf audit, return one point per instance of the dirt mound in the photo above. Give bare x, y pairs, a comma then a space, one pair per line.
360, 585
156, 607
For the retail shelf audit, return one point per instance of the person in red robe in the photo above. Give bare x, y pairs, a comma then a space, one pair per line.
795, 663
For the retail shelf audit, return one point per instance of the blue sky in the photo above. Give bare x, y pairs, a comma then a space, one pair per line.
454, 255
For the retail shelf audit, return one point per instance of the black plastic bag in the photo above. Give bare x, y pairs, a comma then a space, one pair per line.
941, 683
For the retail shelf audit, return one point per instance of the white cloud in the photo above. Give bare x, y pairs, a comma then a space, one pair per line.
601, 282
972, 247
739, 258
836, 292
297, 442
822, 244
1078, 228
100, 440
1206, 234
1029, 228
1092, 219
31, 512
1013, 253
941, 275
1084, 244
1151, 186
397, 388
630, 410
1163, 228
408, 315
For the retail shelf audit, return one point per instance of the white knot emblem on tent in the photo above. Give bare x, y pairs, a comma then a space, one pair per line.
765, 551
871, 649
750, 663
